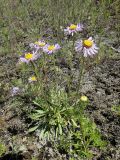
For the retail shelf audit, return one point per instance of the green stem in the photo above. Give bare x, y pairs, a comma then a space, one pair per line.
44, 68
37, 75
35, 69
71, 66
55, 75
81, 71
83, 136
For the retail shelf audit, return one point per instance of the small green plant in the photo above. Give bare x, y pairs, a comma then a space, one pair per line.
86, 138
82, 135
116, 109
50, 115
2, 148
55, 112
64, 123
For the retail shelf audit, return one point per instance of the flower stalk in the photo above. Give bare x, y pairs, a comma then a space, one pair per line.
81, 72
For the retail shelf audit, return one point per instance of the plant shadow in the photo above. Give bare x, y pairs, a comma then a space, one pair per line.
12, 156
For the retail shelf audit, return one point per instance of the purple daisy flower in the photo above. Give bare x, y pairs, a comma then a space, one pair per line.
70, 30
51, 48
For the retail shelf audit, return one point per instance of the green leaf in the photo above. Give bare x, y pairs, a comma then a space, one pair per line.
37, 104
74, 123
2, 148
60, 129
36, 116
42, 133
40, 111
33, 129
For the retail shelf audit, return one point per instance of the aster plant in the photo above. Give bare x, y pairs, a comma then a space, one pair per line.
73, 28
86, 47
29, 57
38, 45
49, 49
58, 114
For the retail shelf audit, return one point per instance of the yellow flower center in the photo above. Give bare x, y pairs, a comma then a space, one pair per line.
73, 27
88, 43
28, 56
51, 48
33, 78
41, 44
84, 98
